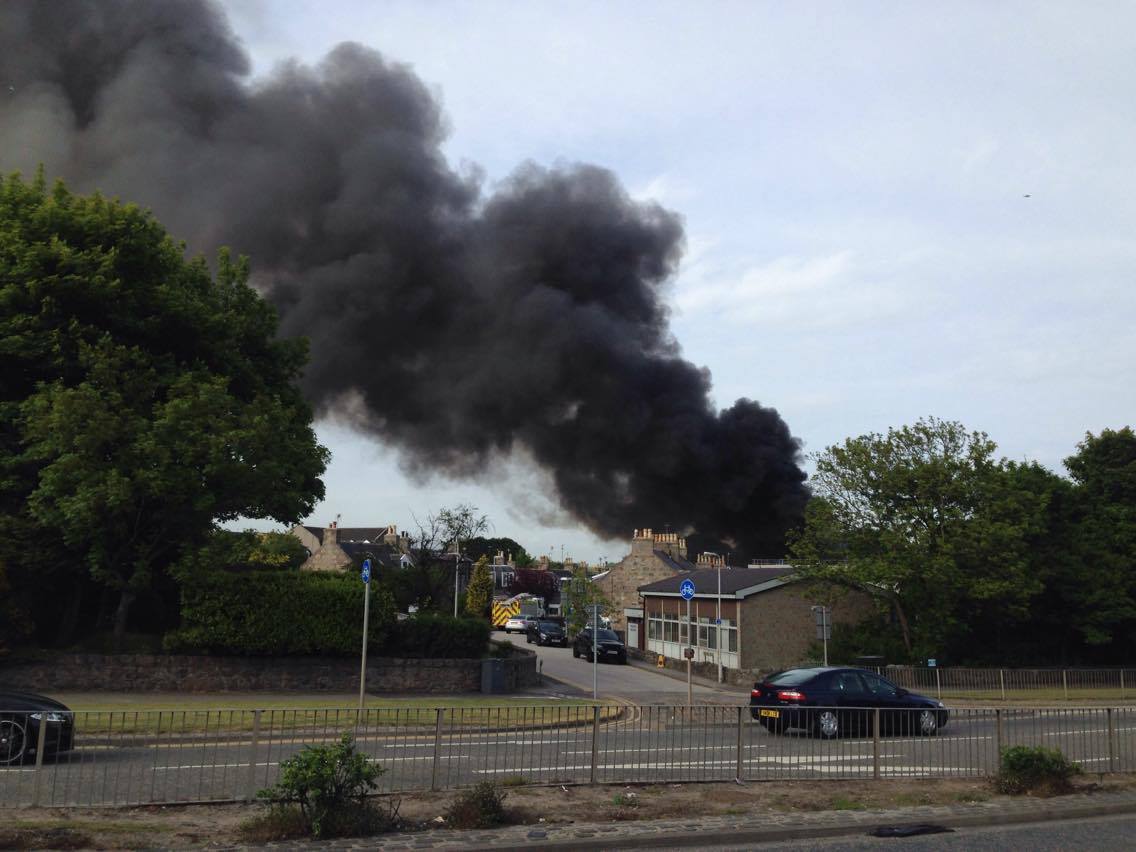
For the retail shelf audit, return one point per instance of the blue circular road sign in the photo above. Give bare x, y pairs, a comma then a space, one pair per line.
686, 589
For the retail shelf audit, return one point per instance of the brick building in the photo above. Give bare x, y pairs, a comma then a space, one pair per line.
767, 617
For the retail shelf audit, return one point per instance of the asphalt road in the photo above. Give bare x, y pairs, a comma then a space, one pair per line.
648, 744
636, 683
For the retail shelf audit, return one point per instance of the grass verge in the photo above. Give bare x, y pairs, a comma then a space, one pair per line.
115, 716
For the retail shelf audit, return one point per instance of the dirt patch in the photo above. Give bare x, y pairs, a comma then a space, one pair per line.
198, 826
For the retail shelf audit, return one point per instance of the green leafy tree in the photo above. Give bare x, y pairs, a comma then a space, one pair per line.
143, 399
278, 550
15, 624
479, 595
578, 596
925, 520
479, 546
1100, 590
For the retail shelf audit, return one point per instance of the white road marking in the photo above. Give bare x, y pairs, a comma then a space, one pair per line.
812, 766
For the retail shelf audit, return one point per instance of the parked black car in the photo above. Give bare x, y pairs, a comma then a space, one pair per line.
546, 633
608, 645
834, 701
21, 714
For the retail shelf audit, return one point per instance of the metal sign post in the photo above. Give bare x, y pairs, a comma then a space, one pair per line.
595, 650
824, 631
365, 574
687, 592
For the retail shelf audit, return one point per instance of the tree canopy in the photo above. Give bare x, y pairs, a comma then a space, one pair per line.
925, 520
973, 558
144, 398
479, 546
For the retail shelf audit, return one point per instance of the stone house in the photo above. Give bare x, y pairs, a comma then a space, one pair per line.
653, 556
335, 548
767, 618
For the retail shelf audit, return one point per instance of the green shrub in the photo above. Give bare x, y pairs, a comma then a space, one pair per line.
329, 784
429, 635
479, 807
277, 612
1027, 769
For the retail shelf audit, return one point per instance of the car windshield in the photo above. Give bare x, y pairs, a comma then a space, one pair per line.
793, 677
550, 626
603, 635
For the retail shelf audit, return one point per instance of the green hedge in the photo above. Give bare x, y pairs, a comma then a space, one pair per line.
291, 613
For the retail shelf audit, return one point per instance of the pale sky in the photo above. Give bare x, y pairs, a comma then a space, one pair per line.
892, 210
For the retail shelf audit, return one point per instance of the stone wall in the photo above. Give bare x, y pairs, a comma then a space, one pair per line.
703, 670
203, 674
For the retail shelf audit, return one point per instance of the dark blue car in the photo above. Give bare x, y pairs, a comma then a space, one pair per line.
834, 701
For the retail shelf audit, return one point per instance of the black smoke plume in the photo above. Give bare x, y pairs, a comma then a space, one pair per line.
457, 325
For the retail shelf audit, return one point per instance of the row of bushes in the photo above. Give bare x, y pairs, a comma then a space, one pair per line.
281, 613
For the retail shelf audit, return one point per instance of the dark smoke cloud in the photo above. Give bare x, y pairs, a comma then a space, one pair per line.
456, 325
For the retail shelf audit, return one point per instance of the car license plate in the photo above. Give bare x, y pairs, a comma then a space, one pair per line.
772, 714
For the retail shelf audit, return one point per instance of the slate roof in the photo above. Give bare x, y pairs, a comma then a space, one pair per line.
677, 563
384, 554
371, 534
736, 582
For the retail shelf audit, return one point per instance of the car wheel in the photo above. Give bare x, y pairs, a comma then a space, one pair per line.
13, 742
590, 657
826, 724
927, 723
528, 639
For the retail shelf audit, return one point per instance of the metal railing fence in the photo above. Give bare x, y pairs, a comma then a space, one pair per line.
1029, 684
130, 758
